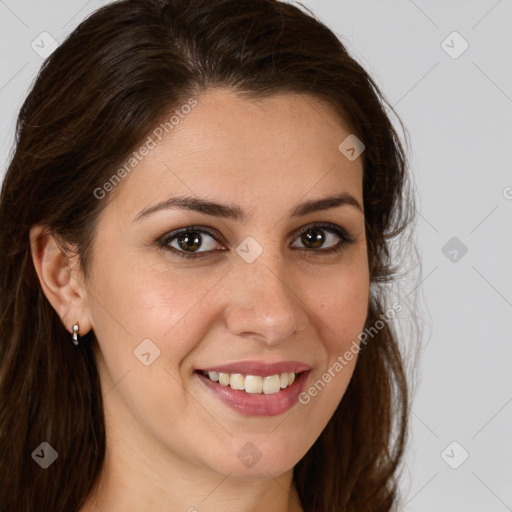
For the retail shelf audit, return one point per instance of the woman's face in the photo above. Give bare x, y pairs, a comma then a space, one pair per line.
259, 295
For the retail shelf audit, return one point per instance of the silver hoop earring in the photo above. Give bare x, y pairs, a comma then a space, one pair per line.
76, 327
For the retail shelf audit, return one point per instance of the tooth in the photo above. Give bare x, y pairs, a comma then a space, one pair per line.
271, 384
224, 378
253, 384
236, 381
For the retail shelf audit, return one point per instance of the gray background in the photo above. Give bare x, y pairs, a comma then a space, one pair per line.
458, 111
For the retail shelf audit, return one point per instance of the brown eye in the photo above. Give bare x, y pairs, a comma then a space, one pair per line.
195, 242
187, 242
313, 238
316, 237
190, 241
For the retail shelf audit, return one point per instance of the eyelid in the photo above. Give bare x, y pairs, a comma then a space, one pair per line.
168, 237
342, 233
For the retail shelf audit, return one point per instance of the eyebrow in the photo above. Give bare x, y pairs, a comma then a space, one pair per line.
234, 212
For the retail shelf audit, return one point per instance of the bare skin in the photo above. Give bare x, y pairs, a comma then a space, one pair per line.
172, 444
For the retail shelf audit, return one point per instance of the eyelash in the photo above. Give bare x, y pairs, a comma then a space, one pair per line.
331, 228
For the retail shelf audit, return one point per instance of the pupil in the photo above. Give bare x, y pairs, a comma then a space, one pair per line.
188, 241
313, 237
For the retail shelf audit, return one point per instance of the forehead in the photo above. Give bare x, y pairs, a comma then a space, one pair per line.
281, 149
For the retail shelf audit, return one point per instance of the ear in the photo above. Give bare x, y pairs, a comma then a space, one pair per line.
61, 279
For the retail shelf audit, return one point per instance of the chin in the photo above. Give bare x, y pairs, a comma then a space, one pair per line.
259, 460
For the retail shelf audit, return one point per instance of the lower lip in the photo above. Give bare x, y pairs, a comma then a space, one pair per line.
257, 404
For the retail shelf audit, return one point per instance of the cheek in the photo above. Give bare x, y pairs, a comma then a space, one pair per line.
137, 301
341, 304
341, 311
146, 321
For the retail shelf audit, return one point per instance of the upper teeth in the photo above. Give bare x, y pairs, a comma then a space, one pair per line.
253, 383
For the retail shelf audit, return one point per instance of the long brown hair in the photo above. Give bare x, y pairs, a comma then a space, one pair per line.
116, 76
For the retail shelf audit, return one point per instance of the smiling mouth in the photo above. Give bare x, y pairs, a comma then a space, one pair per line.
253, 384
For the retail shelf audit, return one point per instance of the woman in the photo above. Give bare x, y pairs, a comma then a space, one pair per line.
196, 228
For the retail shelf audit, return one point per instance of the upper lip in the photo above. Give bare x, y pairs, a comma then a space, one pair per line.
259, 368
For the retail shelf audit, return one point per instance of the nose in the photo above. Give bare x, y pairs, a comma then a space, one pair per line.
263, 303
